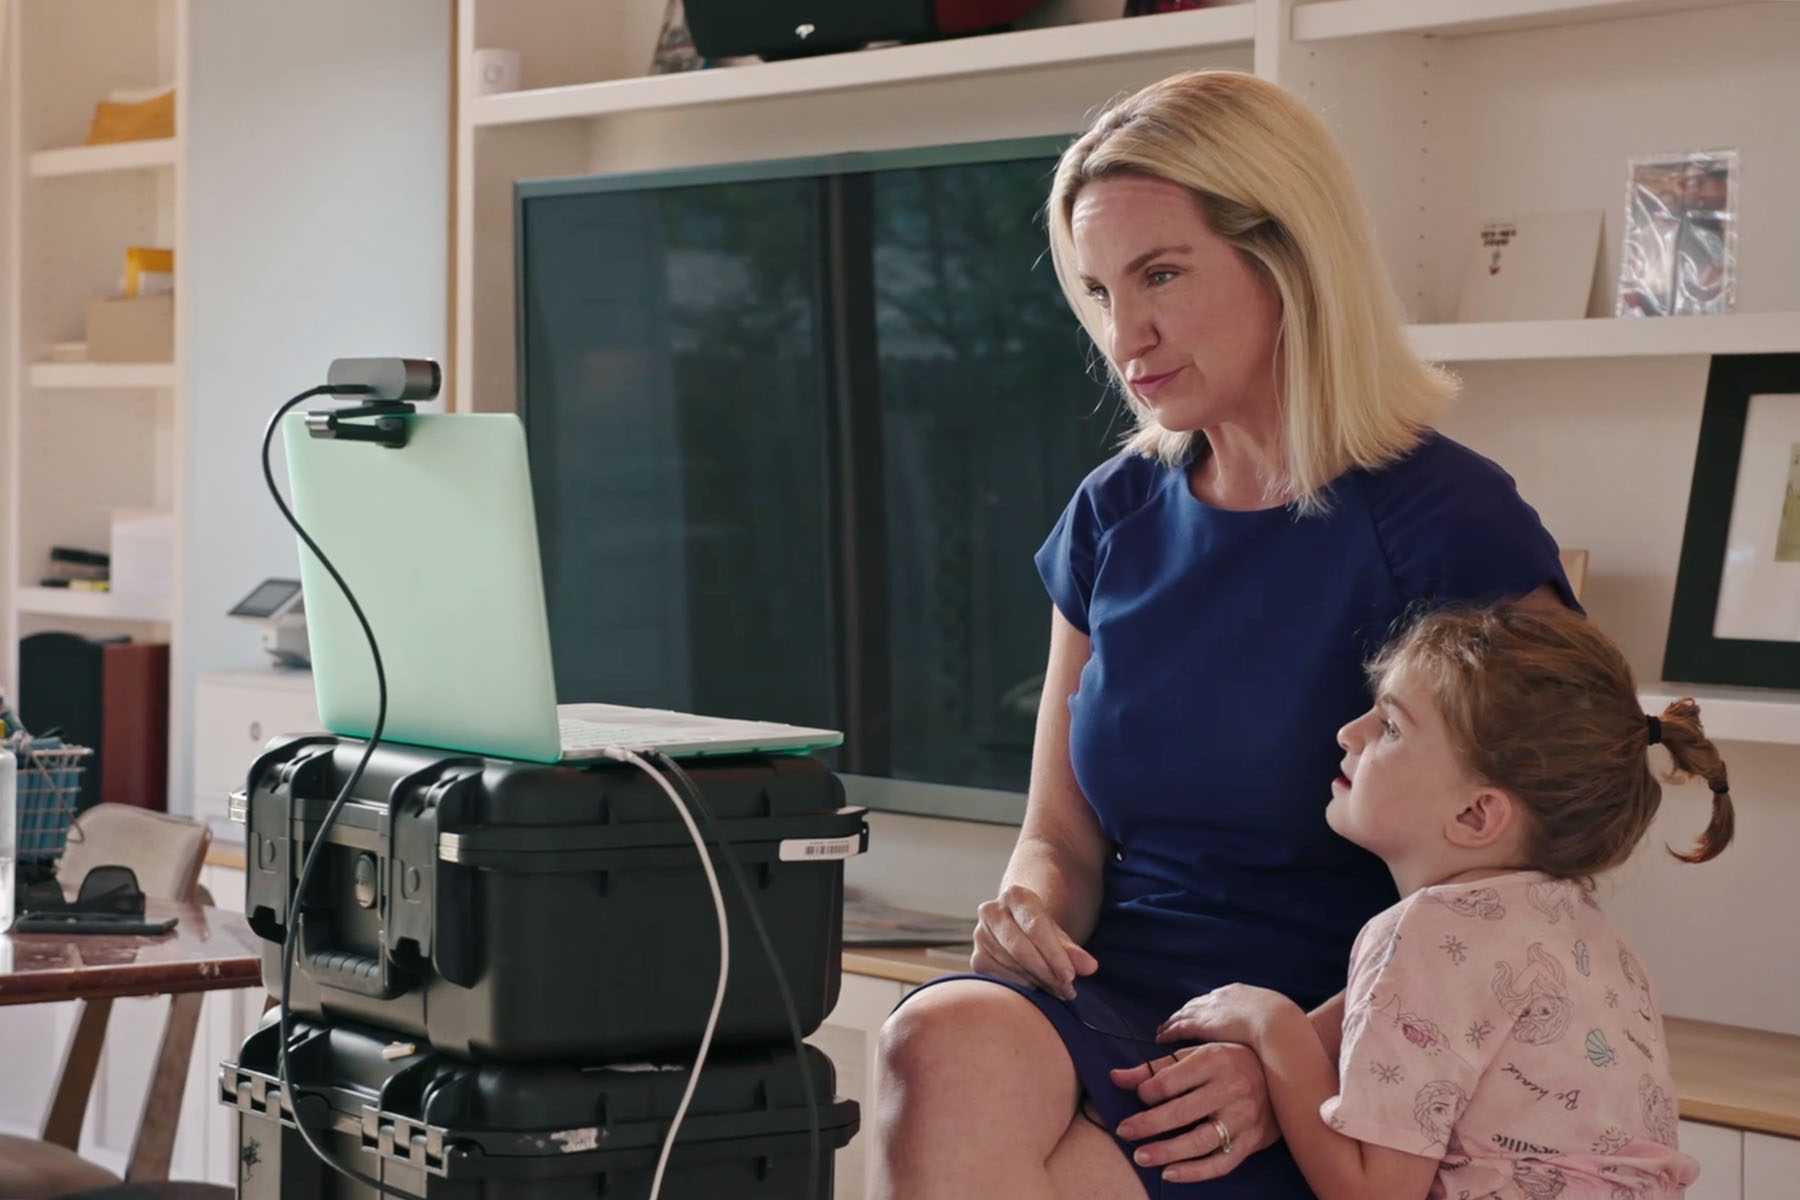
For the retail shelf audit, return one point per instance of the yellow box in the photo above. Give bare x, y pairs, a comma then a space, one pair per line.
115, 122
136, 330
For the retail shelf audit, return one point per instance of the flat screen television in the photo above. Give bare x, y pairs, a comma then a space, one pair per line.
796, 430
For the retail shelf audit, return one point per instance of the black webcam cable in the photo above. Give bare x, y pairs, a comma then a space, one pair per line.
290, 1094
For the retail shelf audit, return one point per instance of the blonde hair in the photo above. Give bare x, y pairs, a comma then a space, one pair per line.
1271, 182
1542, 704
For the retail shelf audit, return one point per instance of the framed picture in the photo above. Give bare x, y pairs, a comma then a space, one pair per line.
1736, 618
1679, 256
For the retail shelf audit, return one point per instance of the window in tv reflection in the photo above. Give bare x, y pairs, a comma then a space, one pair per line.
705, 420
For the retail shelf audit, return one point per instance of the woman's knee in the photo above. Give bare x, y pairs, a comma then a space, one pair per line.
961, 1025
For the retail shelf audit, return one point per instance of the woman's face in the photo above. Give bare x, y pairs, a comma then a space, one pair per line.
1188, 321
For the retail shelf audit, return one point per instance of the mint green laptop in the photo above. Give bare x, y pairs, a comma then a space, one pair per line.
438, 540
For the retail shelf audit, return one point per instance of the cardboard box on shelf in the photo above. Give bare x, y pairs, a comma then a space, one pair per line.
140, 329
133, 117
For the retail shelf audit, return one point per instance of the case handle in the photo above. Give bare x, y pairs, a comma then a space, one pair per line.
328, 966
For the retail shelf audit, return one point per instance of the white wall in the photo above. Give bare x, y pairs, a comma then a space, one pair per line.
317, 228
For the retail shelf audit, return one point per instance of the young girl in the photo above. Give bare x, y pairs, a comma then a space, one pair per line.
1500, 1038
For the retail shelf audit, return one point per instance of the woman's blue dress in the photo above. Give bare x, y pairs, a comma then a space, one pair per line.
1226, 650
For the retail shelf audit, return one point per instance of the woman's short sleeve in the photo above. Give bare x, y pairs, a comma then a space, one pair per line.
1455, 529
1066, 560
1070, 557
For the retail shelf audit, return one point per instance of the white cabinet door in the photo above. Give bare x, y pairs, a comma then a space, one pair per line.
234, 718
1771, 1167
1721, 1154
851, 1037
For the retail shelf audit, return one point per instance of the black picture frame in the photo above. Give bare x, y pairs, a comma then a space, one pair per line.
1693, 654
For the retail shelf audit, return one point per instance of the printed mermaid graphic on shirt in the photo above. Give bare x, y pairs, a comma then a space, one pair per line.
1537, 997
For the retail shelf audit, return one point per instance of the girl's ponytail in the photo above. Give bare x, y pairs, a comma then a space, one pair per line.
1694, 755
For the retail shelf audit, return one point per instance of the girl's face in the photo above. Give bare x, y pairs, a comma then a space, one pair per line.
1188, 321
1402, 780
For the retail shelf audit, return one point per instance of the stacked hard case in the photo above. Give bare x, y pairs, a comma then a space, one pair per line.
503, 970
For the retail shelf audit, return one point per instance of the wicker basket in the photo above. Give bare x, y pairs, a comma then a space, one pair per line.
49, 780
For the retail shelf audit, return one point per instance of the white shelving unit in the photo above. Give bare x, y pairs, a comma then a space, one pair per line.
102, 376
152, 154
83, 438
93, 606
1331, 19
986, 57
1454, 111
1608, 337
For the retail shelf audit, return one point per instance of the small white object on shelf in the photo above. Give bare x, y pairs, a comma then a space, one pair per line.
114, 156
1531, 268
1733, 714
143, 552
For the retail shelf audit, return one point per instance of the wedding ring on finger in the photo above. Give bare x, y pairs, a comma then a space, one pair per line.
1224, 1136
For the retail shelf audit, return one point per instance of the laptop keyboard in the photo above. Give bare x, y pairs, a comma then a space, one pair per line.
577, 734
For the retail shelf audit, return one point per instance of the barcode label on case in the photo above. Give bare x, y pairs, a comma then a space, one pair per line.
819, 849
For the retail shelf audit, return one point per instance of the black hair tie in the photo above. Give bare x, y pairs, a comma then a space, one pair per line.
1654, 727
1719, 786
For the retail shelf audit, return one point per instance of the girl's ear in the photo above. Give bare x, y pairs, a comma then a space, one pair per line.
1488, 816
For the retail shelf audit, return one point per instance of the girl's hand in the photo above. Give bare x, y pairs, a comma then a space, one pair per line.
1017, 939
1234, 1013
1188, 1092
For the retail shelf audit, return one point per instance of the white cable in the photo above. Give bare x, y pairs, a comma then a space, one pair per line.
712, 1020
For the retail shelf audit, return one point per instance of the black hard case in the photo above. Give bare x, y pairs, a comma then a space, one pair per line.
515, 911
432, 1126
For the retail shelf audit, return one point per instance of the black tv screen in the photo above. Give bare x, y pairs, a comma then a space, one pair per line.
796, 430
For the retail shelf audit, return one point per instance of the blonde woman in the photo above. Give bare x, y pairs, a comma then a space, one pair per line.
1216, 588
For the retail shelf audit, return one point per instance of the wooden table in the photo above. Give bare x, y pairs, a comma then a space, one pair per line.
209, 949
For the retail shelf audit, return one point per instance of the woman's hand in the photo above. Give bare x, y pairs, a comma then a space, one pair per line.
1234, 1013
1017, 939
1198, 1086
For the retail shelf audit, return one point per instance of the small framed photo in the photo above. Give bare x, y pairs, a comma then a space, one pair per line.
1679, 256
1736, 617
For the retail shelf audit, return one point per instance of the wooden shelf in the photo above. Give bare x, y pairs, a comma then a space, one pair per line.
991, 54
99, 606
1743, 1078
103, 375
1732, 714
1330, 19
1608, 337
119, 156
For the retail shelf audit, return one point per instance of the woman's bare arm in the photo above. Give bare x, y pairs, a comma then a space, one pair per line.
1061, 849
1049, 898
